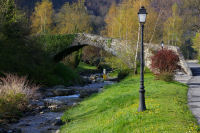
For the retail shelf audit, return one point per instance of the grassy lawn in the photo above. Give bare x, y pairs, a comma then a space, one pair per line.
84, 67
115, 110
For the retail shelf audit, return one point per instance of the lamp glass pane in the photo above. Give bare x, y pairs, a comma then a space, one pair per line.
142, 17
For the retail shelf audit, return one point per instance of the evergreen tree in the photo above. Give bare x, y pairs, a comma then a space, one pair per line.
13, 23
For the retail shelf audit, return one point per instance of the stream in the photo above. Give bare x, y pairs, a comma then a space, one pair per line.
46, 117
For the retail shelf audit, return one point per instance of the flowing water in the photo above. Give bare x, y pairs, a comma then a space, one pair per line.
47, 121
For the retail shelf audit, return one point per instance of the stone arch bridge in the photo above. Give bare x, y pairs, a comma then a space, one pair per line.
114, 47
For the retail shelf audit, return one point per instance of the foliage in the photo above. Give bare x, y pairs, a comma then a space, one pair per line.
30, 60
85, 67
26, 56
67, 75
122, 74
13, 23
165, 61
96, 8
73, 59
122, 20
188, 51
19, 54
15, 93
53, 44
116, 63
190, 11
164, 64
196, 44
173, 30
42, 17
92, 55
73, 18
116, 109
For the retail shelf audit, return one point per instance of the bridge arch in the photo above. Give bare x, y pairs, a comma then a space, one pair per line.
81, 40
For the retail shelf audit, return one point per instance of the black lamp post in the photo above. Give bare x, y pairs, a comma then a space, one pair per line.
142, 19
162, 44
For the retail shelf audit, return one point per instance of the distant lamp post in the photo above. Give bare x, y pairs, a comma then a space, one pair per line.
142, 14
162, 44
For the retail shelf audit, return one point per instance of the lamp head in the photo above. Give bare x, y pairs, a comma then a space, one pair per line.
142, 14
162, 43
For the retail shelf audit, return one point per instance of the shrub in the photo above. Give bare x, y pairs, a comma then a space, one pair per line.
67, 74
164, 64
116, 63
15, 93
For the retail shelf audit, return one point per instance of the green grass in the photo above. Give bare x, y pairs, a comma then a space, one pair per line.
114, 73
115, 110
84, 67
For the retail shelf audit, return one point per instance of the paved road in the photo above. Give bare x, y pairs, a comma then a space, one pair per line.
194, 90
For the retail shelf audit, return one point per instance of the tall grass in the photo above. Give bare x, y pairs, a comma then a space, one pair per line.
15, 93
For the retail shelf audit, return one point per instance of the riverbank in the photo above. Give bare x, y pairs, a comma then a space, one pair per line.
115, 109
46, 112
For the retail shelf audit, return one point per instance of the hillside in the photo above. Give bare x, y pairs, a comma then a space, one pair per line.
95, 7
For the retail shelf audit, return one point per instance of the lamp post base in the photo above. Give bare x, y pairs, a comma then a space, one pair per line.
142, 106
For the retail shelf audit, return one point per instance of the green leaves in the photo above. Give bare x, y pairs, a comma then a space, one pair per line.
173, 30
53, 44
73, 18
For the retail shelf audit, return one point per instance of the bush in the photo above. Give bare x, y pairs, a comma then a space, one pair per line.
116, 63
164, 64
67, 74
15, 93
